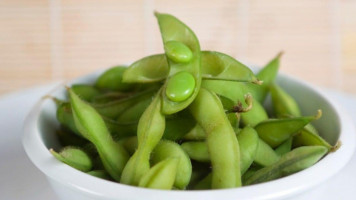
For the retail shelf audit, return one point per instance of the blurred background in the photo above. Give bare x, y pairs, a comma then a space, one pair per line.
42, 41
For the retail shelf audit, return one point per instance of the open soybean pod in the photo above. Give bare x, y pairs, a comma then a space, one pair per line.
111, 79
215, 65
149, 132
168, 149
92, 126
183, 54
74, 157
161, 176
268, 75
294, 161
221, 140
275, 131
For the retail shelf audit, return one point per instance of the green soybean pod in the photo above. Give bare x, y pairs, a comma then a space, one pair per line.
268, 75
149, 132
216, 66
109, 97
265, 155
174, 30
92, 126
130, 144
65, 117
115, 108
86, 92
285, 147
133, 114
284, 105
248, 141
205, 183
197, 151
161, 176
255, 115
275, 131
307, 138
196, 133
148, 69
74, 157
168, 149
100, 174
221, 140
220, 66
296, 160
111, 79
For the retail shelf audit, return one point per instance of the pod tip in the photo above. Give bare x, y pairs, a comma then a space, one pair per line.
319, 114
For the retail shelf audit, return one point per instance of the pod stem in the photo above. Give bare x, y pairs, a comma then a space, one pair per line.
336, 146
318, 115
239, 108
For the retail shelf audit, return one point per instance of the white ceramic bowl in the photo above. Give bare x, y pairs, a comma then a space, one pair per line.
68, 183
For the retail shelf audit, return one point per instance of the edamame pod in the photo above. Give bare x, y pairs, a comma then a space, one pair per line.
197, 151
130, 144
174, 30
111, 79
265, 155
86, 92
221, 140
133, 114
149, 132
215, 66
161, 176
248, 141
74, 157
167, 149
109, 97
285, 147
196, 133
92, 126
115, 108
294, 161
268, 75
100, 174
275, 131
307, 138
205, 183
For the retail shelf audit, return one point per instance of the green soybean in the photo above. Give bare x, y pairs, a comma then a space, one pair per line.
248, 141
111, 79
86, 92
161, 176
294, 161
74, 157
100, 174
209, 113
178, 51
149, 132
265, 155
168, 149
285, 147
268, 75
197, 151
180, 86
196, 133
173, 29
307, 138
205, 183
275, 131
92, 126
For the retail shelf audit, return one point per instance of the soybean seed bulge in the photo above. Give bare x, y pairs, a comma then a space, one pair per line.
178, 52
180, 86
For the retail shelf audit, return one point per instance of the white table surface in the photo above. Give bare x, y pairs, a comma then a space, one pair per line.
20, 179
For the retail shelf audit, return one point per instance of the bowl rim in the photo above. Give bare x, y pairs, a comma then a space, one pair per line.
280, 188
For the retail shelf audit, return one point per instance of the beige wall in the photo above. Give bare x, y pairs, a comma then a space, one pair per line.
41, 41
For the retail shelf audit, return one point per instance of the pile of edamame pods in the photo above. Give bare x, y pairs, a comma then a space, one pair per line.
186, 119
